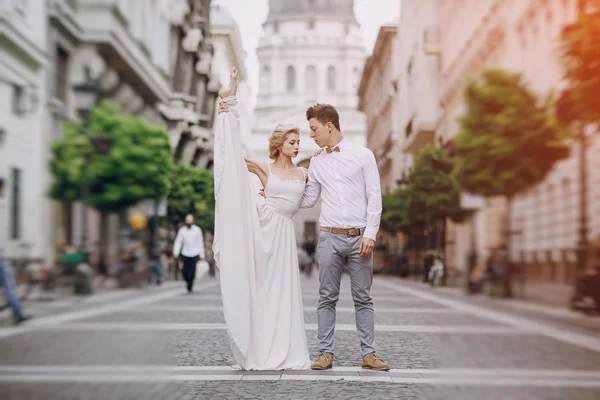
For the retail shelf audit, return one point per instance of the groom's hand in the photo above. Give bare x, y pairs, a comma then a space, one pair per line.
366, 247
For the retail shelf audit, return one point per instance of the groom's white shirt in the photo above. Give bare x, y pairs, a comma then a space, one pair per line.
348, 182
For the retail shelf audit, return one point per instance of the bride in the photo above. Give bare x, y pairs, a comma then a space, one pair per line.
255, 244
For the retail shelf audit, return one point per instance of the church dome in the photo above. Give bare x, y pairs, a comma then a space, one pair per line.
338, 9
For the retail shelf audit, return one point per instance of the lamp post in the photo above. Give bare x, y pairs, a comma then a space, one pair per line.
86, 97
582, 244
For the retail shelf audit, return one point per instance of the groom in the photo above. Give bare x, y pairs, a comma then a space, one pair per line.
345, 176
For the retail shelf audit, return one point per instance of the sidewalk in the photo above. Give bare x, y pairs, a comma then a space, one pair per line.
45, 303
549, 311
545, 294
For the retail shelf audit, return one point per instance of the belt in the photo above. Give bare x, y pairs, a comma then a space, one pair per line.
344, 231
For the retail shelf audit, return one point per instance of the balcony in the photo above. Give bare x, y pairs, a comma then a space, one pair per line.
431, 40
103, 24
418, 134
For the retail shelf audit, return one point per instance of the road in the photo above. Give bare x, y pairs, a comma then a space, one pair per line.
162, 343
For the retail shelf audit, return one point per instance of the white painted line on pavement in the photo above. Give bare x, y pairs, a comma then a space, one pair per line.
349, 378
64, 318
152, 326
378, 310
550, 381
522, 323
217, 297
235, 370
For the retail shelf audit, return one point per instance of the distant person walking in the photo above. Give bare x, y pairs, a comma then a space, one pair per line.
7, 283
189, 247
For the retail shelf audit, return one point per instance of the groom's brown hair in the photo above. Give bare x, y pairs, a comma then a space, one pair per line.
324, 113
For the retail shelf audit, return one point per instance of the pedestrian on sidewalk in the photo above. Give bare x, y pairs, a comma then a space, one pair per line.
189, 247
7, 283
499, 268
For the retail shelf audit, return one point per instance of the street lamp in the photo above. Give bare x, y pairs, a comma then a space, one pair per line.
86, 97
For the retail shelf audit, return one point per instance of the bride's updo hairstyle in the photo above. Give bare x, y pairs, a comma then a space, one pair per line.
278, 138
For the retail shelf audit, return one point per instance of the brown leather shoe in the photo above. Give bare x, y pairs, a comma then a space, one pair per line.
372, 361
323, 361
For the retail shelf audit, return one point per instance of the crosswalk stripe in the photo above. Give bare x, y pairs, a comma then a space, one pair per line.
143, 326
449, 377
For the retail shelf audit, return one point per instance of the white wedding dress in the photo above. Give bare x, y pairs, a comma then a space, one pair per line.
255, 250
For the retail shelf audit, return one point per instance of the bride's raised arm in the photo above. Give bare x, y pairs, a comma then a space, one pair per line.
233, 83
259, 169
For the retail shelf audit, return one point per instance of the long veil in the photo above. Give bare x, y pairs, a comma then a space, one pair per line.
236, 245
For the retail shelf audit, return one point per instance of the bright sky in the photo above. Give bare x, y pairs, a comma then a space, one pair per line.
250, 14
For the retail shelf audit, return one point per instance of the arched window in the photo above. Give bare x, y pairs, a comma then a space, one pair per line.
310, 79
331, 78
291, 79
265, 78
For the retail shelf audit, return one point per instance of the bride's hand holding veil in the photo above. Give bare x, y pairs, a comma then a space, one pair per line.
232, 89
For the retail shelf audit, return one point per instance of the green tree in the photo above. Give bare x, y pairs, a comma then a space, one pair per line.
578, 106
509, 140
192, 192
436, 189
397, 215
580, 50
135, 167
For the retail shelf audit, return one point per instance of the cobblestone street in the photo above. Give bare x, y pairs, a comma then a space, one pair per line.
162, 343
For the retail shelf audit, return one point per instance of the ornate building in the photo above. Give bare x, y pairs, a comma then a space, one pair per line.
22, 142
151, 58
379, 100
190, 109
311, 51
229, 53
545, 220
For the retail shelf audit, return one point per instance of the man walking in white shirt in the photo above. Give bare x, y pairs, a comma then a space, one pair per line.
346, 177
189, 247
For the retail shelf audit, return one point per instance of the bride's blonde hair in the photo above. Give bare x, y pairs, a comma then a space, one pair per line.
278, 138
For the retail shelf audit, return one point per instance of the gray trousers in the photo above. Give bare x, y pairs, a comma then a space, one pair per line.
333, 252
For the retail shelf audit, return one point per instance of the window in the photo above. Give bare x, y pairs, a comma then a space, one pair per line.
15, 204
18, 99
265, 77
60, 75
275, 27
311, 79
311, 24
331, 78
291, 79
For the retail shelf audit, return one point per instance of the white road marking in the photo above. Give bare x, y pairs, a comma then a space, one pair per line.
449, 377
221, 369
152, 308
312, 298
521, 323
63, 318
151, 326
